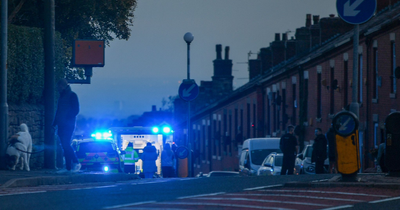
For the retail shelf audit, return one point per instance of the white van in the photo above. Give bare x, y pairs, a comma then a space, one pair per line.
254, 152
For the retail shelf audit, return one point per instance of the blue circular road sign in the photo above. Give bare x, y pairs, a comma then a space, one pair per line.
182, 152
188, 90
356, 11
345, 123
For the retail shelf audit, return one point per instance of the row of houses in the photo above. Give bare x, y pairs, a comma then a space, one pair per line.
302, 81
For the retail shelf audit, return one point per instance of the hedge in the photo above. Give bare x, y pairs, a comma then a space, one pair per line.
25, 75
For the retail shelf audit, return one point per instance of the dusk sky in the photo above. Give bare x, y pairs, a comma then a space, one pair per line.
140, 72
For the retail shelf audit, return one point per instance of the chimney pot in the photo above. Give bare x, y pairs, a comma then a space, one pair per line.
227, 53
332, 15
316, 19
277, 37
308, 20
218, 48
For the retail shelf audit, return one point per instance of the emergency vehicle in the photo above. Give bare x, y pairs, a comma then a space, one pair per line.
99, 153
132, 140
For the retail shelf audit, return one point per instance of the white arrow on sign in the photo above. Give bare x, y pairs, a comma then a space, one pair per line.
186, 92
349, 10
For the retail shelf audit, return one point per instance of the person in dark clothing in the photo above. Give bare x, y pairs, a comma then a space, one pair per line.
289, 146
319, 151
64, 122
331, 137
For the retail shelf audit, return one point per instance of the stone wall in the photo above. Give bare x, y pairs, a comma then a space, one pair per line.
33, 116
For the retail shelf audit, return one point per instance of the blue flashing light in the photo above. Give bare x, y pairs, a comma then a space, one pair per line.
105, 168
155, 129
167, 130
102, 135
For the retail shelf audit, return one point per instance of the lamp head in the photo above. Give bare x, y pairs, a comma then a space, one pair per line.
188, 37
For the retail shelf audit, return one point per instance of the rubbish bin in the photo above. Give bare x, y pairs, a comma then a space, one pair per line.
392, 152
345, 125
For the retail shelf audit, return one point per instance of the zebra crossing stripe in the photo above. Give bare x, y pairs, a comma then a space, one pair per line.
299, 196
264, 201
326, 192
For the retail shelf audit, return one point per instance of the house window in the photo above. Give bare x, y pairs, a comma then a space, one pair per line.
253, 124
248, 121
345, 83
319, 100
332, 92
393, 78
376, 135
294, 104
375, 73
360, 81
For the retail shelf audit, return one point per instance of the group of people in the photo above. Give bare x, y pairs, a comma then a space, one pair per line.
289, 146
149, 157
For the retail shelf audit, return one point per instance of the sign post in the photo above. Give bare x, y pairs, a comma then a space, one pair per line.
355, 12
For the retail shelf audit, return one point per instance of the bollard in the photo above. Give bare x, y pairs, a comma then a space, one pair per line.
345, 125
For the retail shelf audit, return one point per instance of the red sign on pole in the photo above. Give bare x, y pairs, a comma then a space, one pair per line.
88, 53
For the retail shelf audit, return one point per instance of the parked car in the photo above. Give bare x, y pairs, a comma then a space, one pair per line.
271, 165
303, 163
254, 152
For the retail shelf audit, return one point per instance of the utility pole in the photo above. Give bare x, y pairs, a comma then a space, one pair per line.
3, 89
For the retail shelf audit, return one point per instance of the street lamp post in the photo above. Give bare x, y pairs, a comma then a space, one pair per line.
188, 37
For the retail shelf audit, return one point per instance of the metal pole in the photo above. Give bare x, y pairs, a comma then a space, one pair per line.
3, 93
354, 107
188, 121
49, 54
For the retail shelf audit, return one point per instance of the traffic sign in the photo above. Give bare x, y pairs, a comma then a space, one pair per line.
356, 11
182, 152
345, 123
188, 90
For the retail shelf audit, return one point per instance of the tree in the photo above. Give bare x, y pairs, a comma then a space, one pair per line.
85, 19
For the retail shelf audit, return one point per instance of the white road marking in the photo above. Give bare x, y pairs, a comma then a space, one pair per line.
384, 200
128, 204
300, 196
201, 195
326, 192
21, 193
95, 187
223, 205
264, 187
263, 201
339, 207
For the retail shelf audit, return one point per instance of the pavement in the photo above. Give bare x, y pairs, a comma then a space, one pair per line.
12, 179
17, 178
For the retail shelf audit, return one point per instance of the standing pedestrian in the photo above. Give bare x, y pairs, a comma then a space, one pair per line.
289, 146
167, 161
64, 123
319, 151
149, 157
381, 158
331, 137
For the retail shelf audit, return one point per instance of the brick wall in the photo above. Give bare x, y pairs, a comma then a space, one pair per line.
33, 116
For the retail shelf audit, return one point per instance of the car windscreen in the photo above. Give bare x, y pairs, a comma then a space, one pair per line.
258, 156
278, 160
97, 146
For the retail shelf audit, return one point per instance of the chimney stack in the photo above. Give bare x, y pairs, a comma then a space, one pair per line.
218, 48
226, 53
316, 19
153, 108
284, 36
332, 15
277, 37
308, 20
